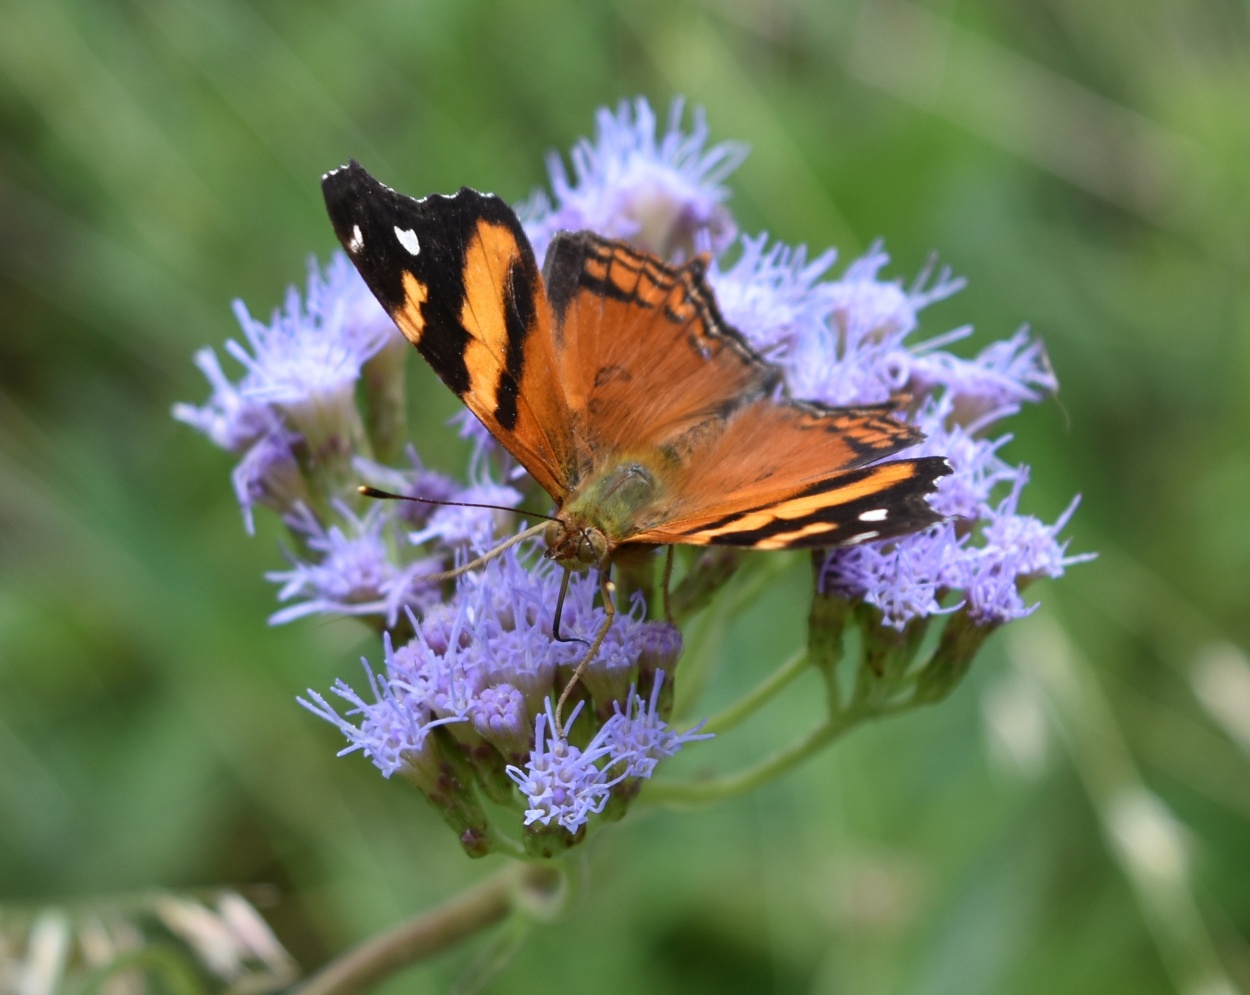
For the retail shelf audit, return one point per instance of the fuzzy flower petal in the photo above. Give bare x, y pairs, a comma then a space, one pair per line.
229, 418
393, 728
773, 295
638, 738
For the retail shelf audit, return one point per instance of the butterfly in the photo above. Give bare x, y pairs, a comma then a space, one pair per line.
613, 379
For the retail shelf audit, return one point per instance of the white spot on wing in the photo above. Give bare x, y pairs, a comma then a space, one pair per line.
408, 239
862, 537
877, 515
357, 242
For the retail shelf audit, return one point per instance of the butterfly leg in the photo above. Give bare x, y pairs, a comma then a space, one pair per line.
609, 610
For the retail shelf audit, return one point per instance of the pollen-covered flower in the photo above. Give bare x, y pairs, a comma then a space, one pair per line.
660, 191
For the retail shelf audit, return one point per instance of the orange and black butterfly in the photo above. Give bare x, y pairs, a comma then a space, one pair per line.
613, 379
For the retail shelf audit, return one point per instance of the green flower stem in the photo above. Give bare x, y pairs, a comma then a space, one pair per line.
754, 699
688, 794
703, 644
431, 932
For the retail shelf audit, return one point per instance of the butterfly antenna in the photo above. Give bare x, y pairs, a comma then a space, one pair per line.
486, 557
375, 492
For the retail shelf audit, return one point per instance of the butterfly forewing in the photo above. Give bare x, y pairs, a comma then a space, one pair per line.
459, 278
645, 358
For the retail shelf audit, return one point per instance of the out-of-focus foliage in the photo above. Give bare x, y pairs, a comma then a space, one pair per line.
1076, 818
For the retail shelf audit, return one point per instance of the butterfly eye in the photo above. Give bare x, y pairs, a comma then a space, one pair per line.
593, 547
553, 536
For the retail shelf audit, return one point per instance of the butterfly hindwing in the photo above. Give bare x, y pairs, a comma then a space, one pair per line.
871, 502
459, 278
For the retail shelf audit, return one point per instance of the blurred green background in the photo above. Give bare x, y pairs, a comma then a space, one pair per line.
1076, 818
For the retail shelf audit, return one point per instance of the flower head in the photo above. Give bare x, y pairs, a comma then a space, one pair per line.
230, 418
1003, 376
638, 738
355, 574
314, 348
1018, 548
393, 727
659, 191
857, 355
563, 783
485, 663
904, 579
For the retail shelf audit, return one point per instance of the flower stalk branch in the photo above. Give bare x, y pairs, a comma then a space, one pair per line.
513, 889
695, 793
758, 696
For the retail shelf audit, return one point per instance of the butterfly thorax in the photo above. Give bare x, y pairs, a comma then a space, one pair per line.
601, 514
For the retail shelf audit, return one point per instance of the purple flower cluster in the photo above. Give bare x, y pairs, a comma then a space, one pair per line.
463, 705
293, 416
484, 666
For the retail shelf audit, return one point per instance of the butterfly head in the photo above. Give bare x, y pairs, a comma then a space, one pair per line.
575, 546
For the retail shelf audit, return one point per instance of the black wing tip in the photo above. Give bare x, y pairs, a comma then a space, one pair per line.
349, 168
